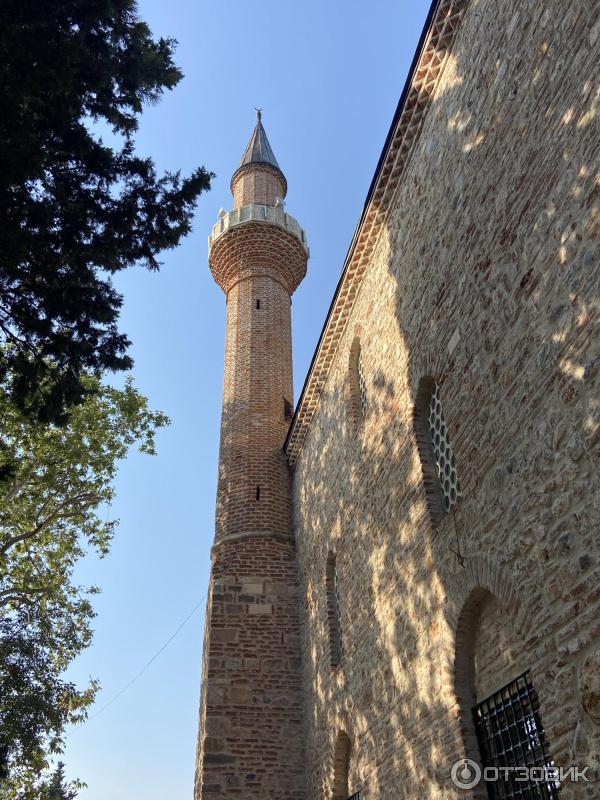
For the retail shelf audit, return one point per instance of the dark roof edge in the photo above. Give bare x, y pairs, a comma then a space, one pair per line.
397, 114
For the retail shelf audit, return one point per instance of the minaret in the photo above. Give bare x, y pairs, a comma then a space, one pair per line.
250, 716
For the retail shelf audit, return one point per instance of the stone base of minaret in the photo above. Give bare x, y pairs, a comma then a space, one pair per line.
250, 740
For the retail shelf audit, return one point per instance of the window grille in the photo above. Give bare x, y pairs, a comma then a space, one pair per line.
355, 796
510, 734
442, 451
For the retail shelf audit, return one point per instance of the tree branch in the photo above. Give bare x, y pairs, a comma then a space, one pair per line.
86, 500
22, 594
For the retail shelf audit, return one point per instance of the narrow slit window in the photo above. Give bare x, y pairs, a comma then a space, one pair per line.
362, 385
287, 409
341, 758
359, 401
258, 304
258, 492
333, 613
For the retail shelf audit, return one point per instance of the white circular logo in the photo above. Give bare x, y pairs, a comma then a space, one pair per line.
465, 774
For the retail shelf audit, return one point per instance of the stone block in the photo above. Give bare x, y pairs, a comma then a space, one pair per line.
260, 608
224, 635
252, 588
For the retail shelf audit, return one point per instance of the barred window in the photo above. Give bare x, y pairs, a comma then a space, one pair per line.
511, 735
437, 458
333, 612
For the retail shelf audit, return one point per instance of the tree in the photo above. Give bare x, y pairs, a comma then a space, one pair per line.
58, 789
53, 787
61, 479
75, 211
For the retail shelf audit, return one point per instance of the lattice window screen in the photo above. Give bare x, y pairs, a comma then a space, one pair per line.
442, 451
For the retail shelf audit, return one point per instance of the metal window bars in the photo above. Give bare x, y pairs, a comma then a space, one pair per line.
511, 734
442, 450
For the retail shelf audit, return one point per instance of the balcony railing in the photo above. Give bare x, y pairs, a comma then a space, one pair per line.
276, 215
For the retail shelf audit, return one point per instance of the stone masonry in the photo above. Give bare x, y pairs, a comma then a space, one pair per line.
474, 273
475, 266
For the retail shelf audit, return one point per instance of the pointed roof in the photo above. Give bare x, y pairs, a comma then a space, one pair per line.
258, 149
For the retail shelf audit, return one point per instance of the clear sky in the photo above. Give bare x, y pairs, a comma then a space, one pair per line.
328, 76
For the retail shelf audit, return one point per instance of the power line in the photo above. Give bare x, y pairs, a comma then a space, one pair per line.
146, 665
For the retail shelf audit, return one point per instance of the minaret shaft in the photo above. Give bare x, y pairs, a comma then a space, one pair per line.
253, 491
250, 740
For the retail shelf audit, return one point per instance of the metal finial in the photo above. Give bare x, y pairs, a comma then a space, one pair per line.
258, 114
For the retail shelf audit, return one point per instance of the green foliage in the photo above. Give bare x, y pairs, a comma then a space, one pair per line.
31, 787
53, 509
74, 210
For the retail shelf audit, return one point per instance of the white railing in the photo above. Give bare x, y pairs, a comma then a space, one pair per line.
276, 215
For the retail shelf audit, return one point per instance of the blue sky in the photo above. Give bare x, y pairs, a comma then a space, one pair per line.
328, 76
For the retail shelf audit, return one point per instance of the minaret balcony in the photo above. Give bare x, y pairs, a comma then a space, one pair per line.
274, 215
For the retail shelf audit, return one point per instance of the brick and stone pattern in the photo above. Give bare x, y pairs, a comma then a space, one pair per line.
497, 657
251, 744
250, 739
485, 278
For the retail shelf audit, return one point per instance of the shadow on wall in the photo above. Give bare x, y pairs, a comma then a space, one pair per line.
493, 246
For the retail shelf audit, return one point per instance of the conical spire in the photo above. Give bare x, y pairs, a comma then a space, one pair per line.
258, 149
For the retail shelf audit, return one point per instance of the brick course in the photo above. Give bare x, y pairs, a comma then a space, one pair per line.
257, 183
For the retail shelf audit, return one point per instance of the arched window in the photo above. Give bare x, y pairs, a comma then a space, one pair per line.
500, 714
333, 612
341, 766
437, 459
358, 385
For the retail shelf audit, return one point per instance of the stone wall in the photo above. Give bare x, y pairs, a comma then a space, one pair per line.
249, 744
498, 654
484, 278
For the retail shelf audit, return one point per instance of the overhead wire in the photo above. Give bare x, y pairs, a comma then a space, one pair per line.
146, 666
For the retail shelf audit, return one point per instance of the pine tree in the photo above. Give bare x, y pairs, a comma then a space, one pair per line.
74, 210
58, 789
